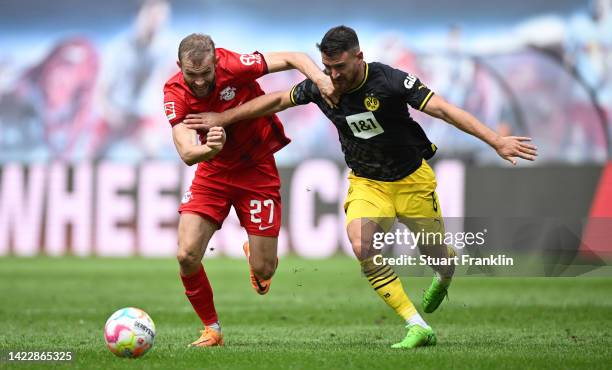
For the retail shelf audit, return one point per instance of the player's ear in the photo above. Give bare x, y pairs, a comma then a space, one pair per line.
360, 55
178, 63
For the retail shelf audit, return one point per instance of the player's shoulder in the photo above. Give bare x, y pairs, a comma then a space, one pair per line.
222, 53
222, 56
174, 83
388, 75
383, 70
380, 73
231, 63
225, 56
378, 67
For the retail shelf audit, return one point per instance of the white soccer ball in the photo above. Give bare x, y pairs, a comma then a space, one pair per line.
129, 332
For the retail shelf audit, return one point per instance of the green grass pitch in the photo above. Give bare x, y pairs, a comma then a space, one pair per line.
318, 314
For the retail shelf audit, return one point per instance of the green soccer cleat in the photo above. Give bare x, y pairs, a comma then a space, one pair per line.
434, 295
417, 336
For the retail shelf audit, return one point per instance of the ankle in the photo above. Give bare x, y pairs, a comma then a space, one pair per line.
416, 319
216, 327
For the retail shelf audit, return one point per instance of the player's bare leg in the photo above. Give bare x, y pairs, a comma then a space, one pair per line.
261, 255
194, 233
387, 284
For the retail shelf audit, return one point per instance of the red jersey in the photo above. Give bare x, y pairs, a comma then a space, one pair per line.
247, 141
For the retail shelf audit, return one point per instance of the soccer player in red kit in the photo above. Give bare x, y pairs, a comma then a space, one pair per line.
235, 167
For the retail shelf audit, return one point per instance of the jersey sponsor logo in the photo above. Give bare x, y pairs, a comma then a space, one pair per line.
262, 228
409, 81
364, 125
250, 59
228, 93
169, 110
371, 103
186, 197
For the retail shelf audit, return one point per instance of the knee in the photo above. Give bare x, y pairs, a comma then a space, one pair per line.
362, 248
188, 259
360, 233
264, 269
356, 245
355, 240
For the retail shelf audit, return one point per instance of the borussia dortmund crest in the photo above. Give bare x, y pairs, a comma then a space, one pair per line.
371, 103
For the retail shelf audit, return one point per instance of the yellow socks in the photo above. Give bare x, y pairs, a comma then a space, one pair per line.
389, 287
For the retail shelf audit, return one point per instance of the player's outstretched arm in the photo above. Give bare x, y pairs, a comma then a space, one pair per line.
186, 143
260, 106
263, 105
507, 147
281, 61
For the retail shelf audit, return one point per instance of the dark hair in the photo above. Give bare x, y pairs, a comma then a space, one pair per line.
338, 40
196, 46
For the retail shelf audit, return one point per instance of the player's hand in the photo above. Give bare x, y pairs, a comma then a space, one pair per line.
203, 121
215, 138
512, 147
328, 93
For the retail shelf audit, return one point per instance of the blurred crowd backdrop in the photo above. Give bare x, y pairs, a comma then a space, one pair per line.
82, 124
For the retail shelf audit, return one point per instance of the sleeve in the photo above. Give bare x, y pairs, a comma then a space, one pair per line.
409, 88
245, 66
305, 92
174, 107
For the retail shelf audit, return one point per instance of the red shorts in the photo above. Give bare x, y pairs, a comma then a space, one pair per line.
254, 192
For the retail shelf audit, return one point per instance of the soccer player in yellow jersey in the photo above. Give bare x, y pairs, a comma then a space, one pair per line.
387, 152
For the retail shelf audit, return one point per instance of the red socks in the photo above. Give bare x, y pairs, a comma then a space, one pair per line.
200, 294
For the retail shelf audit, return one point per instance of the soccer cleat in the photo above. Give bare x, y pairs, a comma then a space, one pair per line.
434, 295
417, 336
209, 338
261, 286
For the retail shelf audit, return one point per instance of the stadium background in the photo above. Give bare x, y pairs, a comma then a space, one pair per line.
90, 183
87, 164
